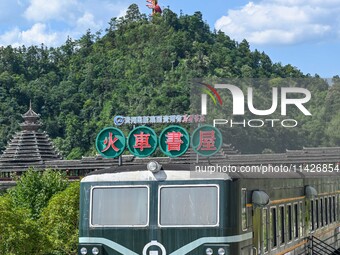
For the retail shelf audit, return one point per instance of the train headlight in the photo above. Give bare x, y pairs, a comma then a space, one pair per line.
83, 251
95, 251
209, 251
221, 251
153, 166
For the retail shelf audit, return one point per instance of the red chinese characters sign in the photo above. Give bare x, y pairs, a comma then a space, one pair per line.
206, 140
110, 142
142, 141
174, 141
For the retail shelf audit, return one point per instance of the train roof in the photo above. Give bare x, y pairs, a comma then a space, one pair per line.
214, 171
169, 172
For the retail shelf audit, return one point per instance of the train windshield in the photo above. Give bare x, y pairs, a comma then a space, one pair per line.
120, 206
188, 205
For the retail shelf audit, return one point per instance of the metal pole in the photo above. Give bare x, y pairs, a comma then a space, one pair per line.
197, 156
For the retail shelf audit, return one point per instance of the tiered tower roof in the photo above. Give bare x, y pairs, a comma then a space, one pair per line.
29, 146
31, 120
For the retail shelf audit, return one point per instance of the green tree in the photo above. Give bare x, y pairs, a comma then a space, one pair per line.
19, 235
332, 130
34, 189
59, 221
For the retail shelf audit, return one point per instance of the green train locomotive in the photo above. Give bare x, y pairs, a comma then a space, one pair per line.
175, 210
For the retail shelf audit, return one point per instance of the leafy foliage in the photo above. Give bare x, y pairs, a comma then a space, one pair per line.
40, 216
19, 234
59, 221
34, 190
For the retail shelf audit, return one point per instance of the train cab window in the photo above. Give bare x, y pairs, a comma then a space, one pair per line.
265, 229
273, 228
192, 205
120, 206
296, 221
281, 222
289, 223
244, 214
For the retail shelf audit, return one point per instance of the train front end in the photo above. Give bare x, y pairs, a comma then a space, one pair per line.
141, 212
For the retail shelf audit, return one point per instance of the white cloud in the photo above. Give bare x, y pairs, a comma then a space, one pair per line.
87, 21
36, 35
32, 22
42, 10
283, 21
122, 12
72, 10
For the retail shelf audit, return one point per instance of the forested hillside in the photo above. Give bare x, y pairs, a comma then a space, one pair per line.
141, 66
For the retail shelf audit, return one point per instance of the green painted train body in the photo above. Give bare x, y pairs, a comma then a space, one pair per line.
133, 211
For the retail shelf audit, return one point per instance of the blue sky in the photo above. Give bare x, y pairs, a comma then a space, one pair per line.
304, 33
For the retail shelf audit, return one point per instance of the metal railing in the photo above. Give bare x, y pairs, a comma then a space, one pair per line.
321, 247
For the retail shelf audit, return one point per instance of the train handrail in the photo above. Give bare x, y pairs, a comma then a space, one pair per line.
320, 245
